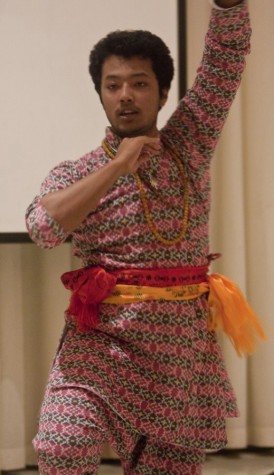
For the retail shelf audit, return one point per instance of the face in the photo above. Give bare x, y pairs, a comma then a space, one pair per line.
130, 96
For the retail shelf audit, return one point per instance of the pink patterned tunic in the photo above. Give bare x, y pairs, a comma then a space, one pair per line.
155, 363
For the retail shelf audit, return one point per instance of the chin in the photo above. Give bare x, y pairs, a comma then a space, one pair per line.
127, 133
133, 133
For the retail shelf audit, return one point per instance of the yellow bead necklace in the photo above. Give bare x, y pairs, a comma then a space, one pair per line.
185, 201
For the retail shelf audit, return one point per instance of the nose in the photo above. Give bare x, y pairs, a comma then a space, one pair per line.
126, 93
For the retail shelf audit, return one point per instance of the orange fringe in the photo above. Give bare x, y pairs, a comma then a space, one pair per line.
229, 311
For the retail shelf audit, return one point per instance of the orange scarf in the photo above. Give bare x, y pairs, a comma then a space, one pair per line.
229, 311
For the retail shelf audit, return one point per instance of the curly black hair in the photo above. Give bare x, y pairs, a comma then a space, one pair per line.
129, 43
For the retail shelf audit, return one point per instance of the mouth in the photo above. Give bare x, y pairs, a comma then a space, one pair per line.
127, 113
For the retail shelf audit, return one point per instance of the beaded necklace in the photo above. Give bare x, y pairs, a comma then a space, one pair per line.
185, 200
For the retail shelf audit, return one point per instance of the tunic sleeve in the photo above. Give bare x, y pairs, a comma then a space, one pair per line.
42, 228
197, 123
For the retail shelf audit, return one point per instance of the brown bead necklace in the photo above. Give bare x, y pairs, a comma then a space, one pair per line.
144, 200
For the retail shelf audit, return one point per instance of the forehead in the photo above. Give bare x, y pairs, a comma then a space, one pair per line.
119, 67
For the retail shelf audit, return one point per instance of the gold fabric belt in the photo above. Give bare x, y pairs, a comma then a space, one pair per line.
123, 294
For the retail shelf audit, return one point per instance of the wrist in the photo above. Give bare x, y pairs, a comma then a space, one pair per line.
227, 3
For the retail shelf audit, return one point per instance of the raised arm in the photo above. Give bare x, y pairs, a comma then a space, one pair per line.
198, 121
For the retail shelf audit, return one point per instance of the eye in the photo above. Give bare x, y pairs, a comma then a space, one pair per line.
112, 87
141, 84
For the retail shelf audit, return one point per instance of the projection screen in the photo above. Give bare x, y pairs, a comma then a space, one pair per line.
50, 111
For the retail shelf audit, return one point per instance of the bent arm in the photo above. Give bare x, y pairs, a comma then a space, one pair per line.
67, 197
71, 205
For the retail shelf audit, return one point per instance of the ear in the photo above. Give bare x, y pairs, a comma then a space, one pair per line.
163, 98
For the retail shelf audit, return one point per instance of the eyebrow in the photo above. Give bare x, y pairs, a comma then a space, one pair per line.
134, 75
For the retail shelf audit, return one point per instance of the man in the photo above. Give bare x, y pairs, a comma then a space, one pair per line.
137, 366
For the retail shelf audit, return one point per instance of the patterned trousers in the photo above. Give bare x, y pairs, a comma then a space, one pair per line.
74, 427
